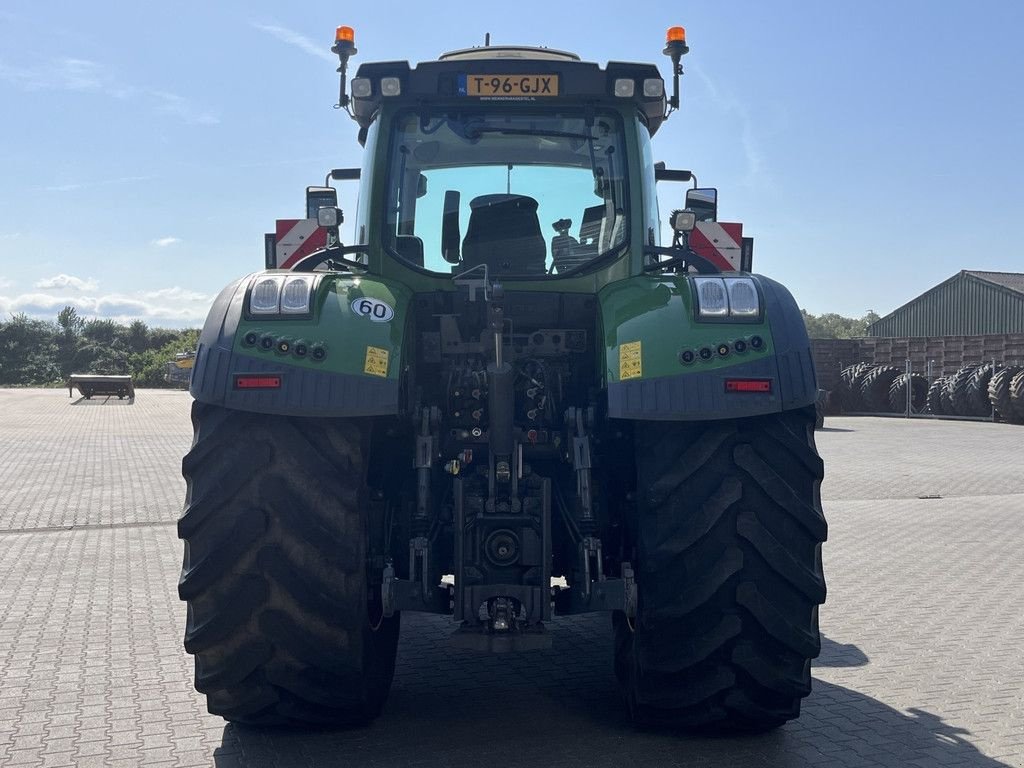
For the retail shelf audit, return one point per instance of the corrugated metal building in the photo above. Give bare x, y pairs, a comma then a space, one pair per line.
969, 303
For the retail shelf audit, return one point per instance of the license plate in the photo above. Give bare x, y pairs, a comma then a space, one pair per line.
511, 85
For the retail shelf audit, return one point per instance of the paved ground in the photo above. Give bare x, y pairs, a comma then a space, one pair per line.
923, 660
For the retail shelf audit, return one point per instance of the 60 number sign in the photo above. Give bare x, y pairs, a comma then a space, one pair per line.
375, 309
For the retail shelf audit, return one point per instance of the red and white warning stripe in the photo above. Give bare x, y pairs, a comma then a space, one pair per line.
297, 238
719, 243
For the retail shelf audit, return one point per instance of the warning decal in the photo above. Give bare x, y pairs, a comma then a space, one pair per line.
376, 361
630, 366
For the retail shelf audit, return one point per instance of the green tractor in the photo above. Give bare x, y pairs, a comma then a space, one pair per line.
468, 414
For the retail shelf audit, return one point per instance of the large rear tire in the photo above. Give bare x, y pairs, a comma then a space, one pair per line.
977, 391
1017, 394
898, 392
999, 393
874, 389
281, 621
959, 392
935, 390
727, 541
850, 380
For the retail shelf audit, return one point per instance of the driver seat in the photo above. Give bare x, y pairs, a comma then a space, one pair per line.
504, 233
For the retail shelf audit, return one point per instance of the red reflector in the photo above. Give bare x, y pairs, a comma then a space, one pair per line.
748, 385
257, 382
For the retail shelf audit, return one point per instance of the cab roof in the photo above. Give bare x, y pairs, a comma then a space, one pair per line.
445, 82
508, 52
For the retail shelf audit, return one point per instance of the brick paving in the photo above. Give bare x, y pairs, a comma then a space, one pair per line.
922, 662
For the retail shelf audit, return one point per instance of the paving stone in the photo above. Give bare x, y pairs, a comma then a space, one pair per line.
922, 657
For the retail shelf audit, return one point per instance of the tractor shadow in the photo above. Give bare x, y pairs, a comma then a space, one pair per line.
835, 654
101, 400
561, 707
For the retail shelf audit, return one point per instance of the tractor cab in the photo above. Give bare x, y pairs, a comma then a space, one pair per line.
519, 160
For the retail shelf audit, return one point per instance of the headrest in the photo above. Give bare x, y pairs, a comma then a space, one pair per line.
521, 202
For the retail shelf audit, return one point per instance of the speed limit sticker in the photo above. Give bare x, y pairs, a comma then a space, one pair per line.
375, 309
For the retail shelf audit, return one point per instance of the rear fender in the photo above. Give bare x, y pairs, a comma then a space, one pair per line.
359, 322
648, 325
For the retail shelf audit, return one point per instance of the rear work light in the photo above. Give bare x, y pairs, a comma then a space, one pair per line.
277, 295
257, 381
727, 298
756, 386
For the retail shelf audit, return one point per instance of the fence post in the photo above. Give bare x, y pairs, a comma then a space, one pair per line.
991, 408
908, 368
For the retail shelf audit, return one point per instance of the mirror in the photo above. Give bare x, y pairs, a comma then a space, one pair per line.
320, 197
703, 202
450, 227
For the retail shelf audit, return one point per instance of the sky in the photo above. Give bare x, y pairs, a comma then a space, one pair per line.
871, 149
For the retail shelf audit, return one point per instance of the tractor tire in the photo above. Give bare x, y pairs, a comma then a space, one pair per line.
947, 397
958, 393
999, 393
874, 390
934, 397
281, 620
898, 392
1017, 394
843, 394
727, 546
977, 391
850, 380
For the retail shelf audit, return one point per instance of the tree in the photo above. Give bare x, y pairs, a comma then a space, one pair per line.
833, 326
150, 368
39, 353
137, 337
67, 339
28, 354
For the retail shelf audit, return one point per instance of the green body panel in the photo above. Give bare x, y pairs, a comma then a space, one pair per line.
657, 310
652, 312
345, 334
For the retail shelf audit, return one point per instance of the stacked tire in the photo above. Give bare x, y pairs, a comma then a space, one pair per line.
1006, 394
969, 391
934, 400
917, 384
966, 392
1017, 396
878, 389
847, 394
975, 391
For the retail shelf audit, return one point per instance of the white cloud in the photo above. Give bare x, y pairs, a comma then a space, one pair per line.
85, 76
756, 174
62, 281
300, 41
76, 185
172, 104
5, 283
163, 242
175, 294
165, 306
64, 74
